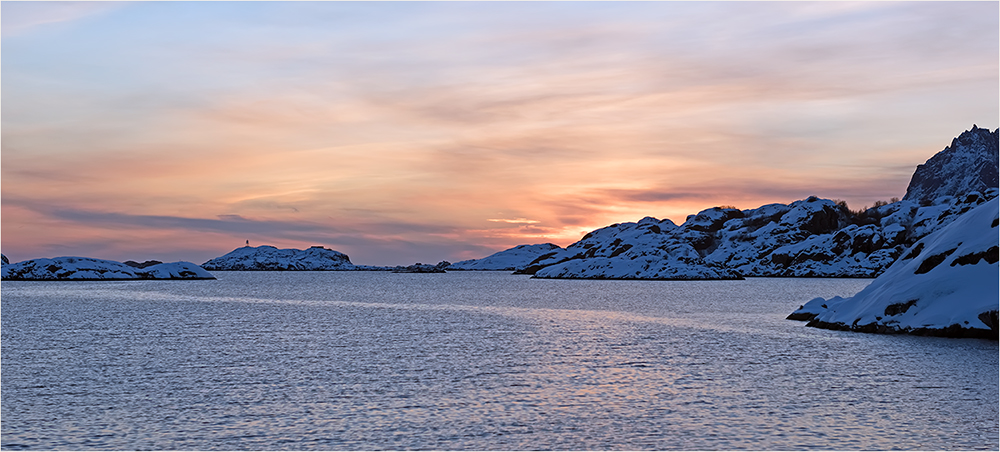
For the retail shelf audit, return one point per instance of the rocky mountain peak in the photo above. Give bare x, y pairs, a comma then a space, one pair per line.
968, 165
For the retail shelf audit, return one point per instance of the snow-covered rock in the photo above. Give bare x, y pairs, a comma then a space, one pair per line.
944, 285
267, 257
968, 165
512, 259
819, 238
648, 249
813, 237
798, 239
86, 269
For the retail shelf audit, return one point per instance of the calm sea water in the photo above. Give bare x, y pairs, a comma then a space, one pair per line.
469, 360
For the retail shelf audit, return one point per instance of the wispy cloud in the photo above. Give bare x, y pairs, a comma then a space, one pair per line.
513, 220
21, 17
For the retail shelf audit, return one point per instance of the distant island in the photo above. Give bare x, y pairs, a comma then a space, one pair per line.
315, 258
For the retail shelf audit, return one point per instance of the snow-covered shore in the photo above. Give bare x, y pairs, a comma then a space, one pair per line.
946, 284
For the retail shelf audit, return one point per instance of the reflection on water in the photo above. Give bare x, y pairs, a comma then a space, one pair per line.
360, 360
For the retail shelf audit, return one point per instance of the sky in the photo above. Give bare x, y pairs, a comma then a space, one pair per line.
418, 132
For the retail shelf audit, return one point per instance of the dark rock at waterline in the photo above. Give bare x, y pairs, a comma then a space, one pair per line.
803, 316
953, 331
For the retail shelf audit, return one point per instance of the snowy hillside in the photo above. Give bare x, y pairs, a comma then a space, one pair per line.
649, 249
510, 260
85, 269
267, 257
808, 238
818, 238
969, 164
945, 285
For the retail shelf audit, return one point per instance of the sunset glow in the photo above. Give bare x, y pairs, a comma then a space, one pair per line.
406, 132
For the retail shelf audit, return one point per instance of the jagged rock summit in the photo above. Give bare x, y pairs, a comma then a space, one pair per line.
969, 164
89, 269
266, 257
508, 260
945, 285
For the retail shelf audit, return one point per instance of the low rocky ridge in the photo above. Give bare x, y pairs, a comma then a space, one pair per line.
141, 265
508, 260
813, 237
423, 268
945, 285
269, 258
89, 269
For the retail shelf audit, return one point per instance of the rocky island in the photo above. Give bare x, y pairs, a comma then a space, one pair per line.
315, 258
89, 269
270, 258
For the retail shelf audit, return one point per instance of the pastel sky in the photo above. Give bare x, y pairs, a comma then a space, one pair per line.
418, 132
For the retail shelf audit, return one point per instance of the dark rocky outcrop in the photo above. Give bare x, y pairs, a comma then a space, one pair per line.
969, 164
